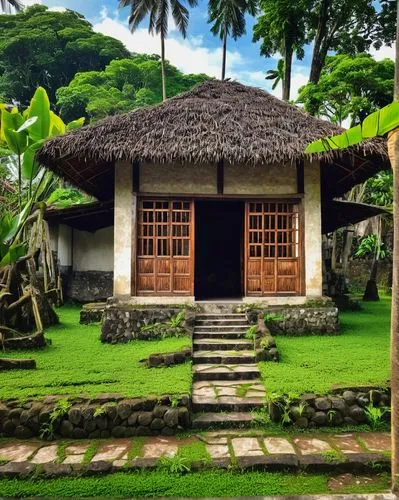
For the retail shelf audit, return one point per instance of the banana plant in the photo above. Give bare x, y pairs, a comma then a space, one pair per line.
23, 134
379, 123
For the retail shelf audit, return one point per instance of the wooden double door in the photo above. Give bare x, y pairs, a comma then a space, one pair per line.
166, 250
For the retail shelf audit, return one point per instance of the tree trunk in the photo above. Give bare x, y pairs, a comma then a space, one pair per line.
163, 67
371, 292
393, 151
287, 70
347, 250
334, 252
317, 59
224, 54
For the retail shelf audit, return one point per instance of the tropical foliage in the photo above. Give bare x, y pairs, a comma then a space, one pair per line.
39, 47
350, 86
124, 85
281, 28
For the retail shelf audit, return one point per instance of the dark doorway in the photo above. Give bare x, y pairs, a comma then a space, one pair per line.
218, 249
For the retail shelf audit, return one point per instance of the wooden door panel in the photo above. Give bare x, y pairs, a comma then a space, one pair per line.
272, 247
165, 247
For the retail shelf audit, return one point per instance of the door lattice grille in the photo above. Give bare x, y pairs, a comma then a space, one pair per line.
165, 247
273, 248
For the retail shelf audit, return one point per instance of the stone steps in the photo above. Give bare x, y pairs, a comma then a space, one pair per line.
225, 372
223, 357
222, 344
222, 322
222, 420
226, 378
227, 395
219, 335
221, 328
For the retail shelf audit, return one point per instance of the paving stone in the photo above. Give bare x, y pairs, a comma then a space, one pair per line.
214, 440
218, 451
214, 419
281, 446
374, 441
246, 447
98, 467
56, 470
160, 447
73, 459
111, 451
45, 455
77, 449
311, 446
17, 452
16, 469
346, 443
118, 464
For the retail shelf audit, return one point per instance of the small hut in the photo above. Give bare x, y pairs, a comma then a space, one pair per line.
213, 195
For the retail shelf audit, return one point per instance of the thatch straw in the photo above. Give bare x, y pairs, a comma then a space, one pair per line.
214, 121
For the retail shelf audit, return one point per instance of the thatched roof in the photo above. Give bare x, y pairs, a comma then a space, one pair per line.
214, 121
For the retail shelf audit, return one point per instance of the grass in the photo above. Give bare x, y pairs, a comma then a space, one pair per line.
359, 356
201, 484
78, 363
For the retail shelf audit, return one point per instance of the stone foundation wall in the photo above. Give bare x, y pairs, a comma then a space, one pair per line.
122, 323
90, 286
99, 418
348, 407
299, 320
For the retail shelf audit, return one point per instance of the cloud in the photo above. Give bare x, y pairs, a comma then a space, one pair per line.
383, 53
190, 55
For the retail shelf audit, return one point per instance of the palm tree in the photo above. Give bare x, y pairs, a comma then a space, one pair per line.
228, 18
5, 5
158, 11
276, 74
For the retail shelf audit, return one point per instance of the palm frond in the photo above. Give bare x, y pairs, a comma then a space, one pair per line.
180, 16
7, 5
161, 24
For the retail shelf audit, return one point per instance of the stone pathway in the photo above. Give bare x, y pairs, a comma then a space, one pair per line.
357, 451
226, 377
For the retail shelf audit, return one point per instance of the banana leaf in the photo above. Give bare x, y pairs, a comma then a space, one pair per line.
377, 124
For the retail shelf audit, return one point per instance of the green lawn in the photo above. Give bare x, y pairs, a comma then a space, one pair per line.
78, 363
200, 484
359, 356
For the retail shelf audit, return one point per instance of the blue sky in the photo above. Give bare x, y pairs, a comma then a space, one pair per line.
200, 52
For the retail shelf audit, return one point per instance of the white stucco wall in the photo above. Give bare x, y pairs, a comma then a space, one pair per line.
64, 245
313, 237
124, 236
93, 251
202, 179
184, 179
259, 180
53, 232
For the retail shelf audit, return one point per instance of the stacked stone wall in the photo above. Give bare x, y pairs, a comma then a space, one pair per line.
106, 416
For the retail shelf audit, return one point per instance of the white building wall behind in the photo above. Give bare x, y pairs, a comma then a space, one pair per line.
93, 251
64, 245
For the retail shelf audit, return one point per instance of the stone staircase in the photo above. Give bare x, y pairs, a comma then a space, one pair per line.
226, 380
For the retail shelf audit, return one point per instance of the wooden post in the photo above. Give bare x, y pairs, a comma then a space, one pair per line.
393, 150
